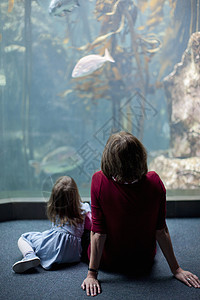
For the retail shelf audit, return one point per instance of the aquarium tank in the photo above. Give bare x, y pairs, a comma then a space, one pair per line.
73, 72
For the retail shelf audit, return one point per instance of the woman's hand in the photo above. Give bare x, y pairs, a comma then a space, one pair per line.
187, 277
92, 286
91, 283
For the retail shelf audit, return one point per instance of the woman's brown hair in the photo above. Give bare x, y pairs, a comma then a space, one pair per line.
124, 158
64, 204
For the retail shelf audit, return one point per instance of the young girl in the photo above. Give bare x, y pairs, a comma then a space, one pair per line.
61, 243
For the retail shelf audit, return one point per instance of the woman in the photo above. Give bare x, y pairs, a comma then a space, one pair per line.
128, 214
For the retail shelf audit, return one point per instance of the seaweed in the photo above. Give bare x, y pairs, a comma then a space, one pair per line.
134, 49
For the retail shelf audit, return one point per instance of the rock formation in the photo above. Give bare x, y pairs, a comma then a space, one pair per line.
182, 87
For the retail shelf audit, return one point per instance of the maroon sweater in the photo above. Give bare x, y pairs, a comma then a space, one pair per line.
129, 214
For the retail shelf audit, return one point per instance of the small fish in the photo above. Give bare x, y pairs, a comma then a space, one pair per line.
90, 63
62, 7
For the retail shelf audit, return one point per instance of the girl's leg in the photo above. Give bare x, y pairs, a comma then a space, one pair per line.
29, 261
24, 247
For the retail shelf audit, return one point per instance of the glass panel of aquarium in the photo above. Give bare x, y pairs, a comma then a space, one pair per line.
73, 72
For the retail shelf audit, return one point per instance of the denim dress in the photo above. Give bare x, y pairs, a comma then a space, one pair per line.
60, 244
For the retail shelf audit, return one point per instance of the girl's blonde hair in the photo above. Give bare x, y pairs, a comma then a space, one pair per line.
64, 204
124, 158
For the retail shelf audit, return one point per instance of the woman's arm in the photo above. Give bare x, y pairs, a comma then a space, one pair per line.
164, 241
91, 284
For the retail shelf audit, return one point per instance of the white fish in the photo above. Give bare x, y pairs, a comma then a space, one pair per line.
62, 7
90, 63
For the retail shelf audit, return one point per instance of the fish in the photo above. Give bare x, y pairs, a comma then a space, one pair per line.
116, 73
90, 63
62, 159
60, 8
155, 3
154, 21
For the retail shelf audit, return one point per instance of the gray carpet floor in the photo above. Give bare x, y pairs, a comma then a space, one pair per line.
64, 282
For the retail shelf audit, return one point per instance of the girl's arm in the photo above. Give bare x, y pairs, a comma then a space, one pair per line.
91, 284
164, 241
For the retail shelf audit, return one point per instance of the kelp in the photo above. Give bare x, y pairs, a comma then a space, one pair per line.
184, 21
10, 5
100, 39
137, 46
133, 43
114, 8
117, 27
118, 22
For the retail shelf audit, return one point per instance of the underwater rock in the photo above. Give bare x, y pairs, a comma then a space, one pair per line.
182, 89
182, 169
178, 173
